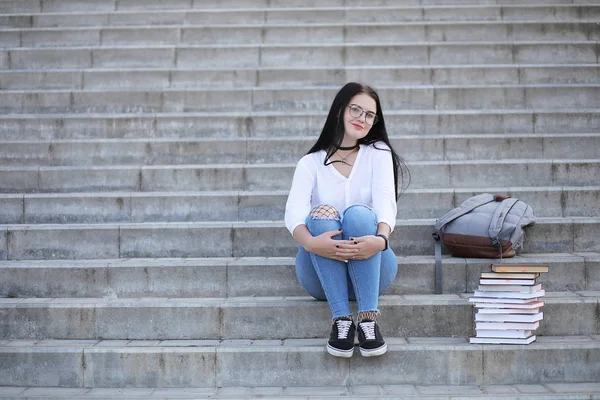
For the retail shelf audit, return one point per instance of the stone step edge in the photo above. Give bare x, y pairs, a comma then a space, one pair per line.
245, 224
408, 300
303, 9
263, 25
275, 346
236, 89
287, 165
542, 391
246, 114
281, 192
163, 262
288, 139
287, 46
304, 68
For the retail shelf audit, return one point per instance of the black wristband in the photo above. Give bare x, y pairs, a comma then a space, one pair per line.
381, 235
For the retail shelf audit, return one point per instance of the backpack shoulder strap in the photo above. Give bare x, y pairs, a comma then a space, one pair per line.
438, 266
498, 219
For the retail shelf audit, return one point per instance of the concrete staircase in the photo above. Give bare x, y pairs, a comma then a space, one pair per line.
146, 150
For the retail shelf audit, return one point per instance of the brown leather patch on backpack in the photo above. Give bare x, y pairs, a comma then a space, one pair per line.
476, 246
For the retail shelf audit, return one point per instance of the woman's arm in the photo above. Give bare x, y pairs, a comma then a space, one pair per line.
297, 206
383, 191
384, 229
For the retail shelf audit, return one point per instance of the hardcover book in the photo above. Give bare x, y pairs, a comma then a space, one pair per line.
527, 282
510, 275
510, 295
515, 333
509, 317
488, 340
507, 325
489, 310
519, 267
511, 288
498, 303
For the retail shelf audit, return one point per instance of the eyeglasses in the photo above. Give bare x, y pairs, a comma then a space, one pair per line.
356, 112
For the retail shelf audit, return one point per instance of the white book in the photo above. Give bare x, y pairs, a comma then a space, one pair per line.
529, 305
509, 295
525, 282
507, 311
487, 340
507, 325
510, 288
509, 317
516, 333
509, 275
501, 301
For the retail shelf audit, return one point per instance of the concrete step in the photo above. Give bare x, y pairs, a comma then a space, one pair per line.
265, 318
103, 207
156, 78
285, 124
247, 239
549, 391
265, 177
426, 361
100, 152
313, 55
359, 33
271, 15
245, 277
49, 6
427, 97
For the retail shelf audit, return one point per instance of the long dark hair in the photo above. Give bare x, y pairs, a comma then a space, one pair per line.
332, 134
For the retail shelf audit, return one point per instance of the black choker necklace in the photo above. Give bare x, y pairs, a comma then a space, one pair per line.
347, 148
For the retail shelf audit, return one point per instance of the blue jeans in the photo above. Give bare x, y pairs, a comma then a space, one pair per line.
339, 282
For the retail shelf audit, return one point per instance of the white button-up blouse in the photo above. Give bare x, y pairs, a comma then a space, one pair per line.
371, 183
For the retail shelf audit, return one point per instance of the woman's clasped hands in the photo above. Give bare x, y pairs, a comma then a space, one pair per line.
360, 248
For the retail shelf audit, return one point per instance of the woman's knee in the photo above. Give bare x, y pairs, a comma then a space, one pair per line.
359, 220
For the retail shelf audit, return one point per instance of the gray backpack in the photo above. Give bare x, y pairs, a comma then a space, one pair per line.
483, 226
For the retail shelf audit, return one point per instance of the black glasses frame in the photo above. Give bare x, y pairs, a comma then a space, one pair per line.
368, 114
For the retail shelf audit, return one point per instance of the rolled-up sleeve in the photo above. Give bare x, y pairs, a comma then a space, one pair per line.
383, 189
298, 203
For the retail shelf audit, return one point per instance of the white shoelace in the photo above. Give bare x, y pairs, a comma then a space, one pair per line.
368, 329
343, 328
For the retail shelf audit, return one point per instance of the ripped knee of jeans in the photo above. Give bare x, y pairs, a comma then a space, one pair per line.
324, 211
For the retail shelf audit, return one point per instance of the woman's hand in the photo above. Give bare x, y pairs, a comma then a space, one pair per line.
325, 246
361, 248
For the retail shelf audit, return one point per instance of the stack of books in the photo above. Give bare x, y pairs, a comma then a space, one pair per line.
508, 302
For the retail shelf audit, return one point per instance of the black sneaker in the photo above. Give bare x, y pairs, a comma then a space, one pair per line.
370, 341
341, 340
